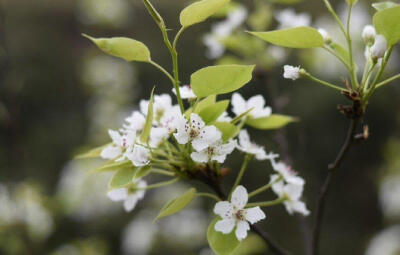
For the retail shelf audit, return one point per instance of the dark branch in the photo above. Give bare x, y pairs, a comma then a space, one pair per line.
319, 211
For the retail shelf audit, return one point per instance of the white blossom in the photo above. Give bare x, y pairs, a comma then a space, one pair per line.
379, 47
256, 102
325, 35
170, 119
196, 132
139, 155
247, 146
292, 194
286, 171
186, 92
135, 121
120, 143
291, 72
130, 194
369, 34
215, 152
162, 104
288, 18
234, 214
158, 135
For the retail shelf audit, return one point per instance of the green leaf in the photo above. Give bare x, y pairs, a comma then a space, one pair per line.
112, 166
341, 51
93, 153
351, 2
298, 37
286, 1
211, 113
227, 129
220, 79
142, 171
122, 47
384, 5
221, 244
144, 137
210, 100
122, 178
200, 11
153, 12
177, 204
274, 121
253, 244
387, 23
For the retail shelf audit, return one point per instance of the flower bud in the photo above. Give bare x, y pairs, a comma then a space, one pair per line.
325, 35
379, 48
291, 72
369, 34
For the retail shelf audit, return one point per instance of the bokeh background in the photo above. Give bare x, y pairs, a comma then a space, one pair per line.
59, 95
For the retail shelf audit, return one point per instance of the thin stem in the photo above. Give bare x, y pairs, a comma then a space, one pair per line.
319, 211
162, 70
264, 188
309, 76
267, 203
160, 184
353, 74
335, 16
337, 56
177, 36
387, 81
246, 161
204, 194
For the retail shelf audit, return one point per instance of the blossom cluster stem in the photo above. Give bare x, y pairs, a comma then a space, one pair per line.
309, 76
204, 194
267, 203
264, 188
388, 81
161, 184
319, 211
246, 161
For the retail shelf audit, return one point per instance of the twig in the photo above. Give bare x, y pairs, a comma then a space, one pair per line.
319, 211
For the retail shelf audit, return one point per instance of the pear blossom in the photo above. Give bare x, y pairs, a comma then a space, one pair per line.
170, 119
247, 146
369, 34
135, 121
288, 18
379, 47
292, 193
186, 92
234, 214
162, 103
158, 135
216, 151
256, 103
288, 174
291, 72
196, 132
325, 35
120, 143
139, 155
130, 194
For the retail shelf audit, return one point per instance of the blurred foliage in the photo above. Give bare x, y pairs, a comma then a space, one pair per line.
57, 96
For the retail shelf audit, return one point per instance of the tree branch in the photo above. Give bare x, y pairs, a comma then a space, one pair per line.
319, 211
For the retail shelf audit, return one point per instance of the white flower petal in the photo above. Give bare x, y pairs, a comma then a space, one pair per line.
239, 197
291, 72
181, 137
117, 194
225, 226
254, 214
241, 230
111, 152
238, 104
196, 121
257, 102
300, 207
130, 202
116, 137
140, 156
219, 158
293, 191
201, 157
224, 209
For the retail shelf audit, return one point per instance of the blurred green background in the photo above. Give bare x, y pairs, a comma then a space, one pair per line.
59, 95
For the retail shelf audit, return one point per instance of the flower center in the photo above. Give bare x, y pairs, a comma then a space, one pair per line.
240, 215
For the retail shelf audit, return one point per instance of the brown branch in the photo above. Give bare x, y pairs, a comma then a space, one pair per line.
319, 212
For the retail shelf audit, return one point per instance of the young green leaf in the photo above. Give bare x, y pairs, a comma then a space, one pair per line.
274, 121
387, 23
384, 5
122, 177
200, 11
253, 244
221, 244
142, 171
298, 37
93, 153
122, 47
144, 137
227, 129
111, 165
211, 113
177, 204
341, 51
210, 100
153, 12
220, 79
